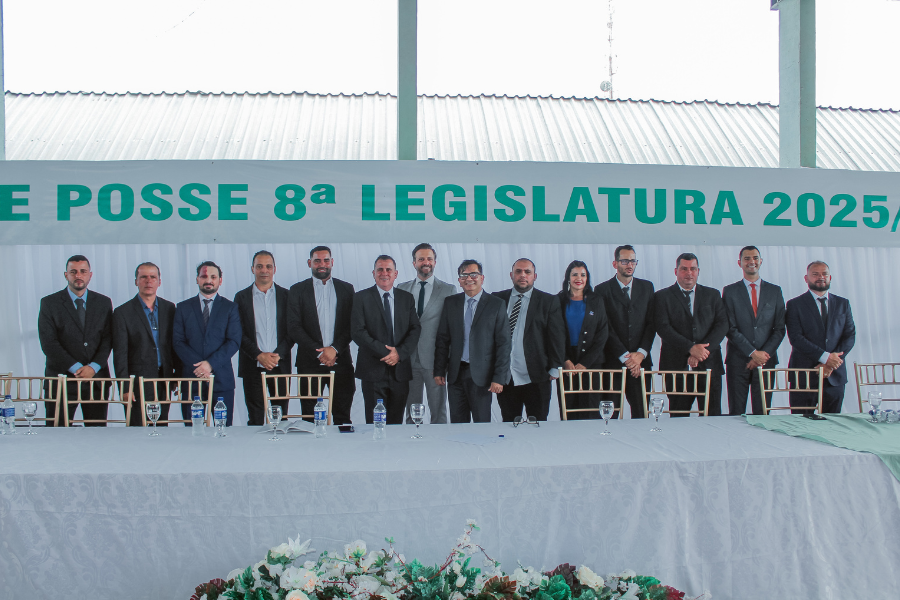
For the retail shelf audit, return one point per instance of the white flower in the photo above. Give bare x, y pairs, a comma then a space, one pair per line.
589, 578
457, 567
456, 596
369, 560
401, 558
390, 575
355, 550
275, 570
366, 585
309, 565
295, 578
627, 574
479, 582
527, 578
471, 523
461, 581
631, 592
291, 549
296, 595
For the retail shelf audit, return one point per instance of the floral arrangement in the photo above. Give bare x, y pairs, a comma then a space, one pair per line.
359, 574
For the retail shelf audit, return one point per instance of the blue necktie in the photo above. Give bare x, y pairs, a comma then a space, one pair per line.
470, 314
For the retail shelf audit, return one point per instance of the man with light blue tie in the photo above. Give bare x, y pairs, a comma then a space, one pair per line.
472, 347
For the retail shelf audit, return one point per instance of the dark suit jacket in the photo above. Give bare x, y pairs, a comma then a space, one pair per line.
594, 330
303, 325
808, 337
133, 345
544, 334
489, 342
747, 333
679, 330
63, 340
216, 345
249, 349
630, 323
368, 330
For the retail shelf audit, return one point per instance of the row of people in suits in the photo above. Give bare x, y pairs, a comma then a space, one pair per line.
422, 337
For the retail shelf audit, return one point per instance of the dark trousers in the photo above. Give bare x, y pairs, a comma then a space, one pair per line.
577, 382
393, 392
634, 393
88, 410
533, 397
136, 414
832, 399
227, 397
342, 395
468, 400
739, 378
253, 396
685, 402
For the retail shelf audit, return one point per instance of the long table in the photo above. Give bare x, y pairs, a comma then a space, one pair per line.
706, 504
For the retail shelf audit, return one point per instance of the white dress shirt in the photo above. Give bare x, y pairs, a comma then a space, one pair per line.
825, 355
326, 309
265, 315
212, 301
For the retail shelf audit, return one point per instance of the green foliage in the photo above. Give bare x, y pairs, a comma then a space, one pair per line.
280, 560
645, 581
331, 591
499, 588
554, 588
246, 579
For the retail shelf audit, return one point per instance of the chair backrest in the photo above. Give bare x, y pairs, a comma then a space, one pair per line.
5, 383
590, 381
869, 374
98, 390
667, 383
36, 389
790, 380
284, 384
184, 388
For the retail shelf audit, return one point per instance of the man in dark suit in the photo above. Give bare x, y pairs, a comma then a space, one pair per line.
206, 334
629, 310
319, 322
472, 345
265, 344
537, 350
386, 328
821, 331
755, 310
691, 321
75, 331
142, 339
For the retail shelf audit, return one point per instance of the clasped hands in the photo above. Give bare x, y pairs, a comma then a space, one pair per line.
633, 362
699, 353
833, 362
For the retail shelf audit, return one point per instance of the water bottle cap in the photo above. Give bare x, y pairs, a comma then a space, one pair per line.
220, 398
197, 398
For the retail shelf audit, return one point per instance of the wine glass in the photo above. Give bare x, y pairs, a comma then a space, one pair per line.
606, 411
656, 408
153, 412
275, 418
874, 402
417, 412
30, 409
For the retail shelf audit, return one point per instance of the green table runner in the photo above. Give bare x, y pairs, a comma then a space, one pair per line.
850, 431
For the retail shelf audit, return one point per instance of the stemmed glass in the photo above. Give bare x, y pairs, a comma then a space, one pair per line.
417, 412
656, 408
30, 409
874, 402
153, 412
606, 411
275, 418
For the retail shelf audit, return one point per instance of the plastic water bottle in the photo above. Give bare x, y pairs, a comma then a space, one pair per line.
197, 417
220, 413
321, 418
379, 417
9, 415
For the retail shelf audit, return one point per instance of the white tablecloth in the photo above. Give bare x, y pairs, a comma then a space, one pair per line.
707, 504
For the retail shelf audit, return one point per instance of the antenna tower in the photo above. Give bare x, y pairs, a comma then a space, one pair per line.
607, 86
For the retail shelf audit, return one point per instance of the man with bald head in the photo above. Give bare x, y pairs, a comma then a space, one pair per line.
538, 341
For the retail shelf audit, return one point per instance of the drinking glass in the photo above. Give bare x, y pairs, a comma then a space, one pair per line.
417, 412
874, 402
606, 411
29, 408
275, 418
153, 412
656, 408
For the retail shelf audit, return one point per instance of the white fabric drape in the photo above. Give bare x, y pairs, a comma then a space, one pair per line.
860, 274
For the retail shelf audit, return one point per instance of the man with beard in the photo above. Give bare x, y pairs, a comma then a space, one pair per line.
821, 331
629, 310
319, 322
538, 339
265, 345
430, 293
206, 334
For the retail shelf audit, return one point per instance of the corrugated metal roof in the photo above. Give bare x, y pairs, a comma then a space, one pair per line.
303, 126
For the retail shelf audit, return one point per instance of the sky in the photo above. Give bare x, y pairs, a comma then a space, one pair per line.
724, 50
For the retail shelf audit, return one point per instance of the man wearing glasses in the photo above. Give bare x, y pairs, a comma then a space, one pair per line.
142, 339
472, 347
629, 310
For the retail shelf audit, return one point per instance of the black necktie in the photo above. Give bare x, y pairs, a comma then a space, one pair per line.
388, 321
514, 315
824, 303
625, 294
206, 312
421, 306
79, 310
687, 300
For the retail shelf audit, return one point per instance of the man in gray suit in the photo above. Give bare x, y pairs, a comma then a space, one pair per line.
429, 292
755, 310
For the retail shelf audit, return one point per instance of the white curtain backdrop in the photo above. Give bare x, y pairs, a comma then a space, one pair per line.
860, 274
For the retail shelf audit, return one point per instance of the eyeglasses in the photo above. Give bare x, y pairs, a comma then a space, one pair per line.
523, 421
628, 261
472, 276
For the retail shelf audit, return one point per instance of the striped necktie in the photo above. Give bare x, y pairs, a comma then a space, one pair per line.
514, 316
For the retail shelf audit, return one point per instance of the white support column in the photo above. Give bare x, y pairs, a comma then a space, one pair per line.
2, 92
797, 83
407, 120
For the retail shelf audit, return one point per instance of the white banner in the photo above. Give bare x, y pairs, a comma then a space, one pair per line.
61, 202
